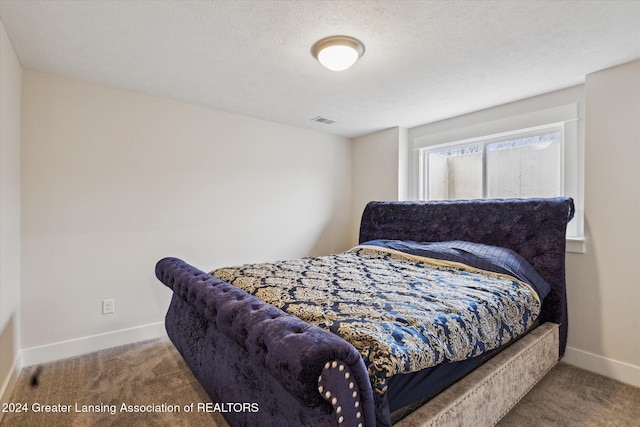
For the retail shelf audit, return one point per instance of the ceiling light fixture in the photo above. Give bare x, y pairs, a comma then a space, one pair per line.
337, 53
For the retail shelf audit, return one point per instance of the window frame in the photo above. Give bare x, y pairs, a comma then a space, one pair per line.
485, 142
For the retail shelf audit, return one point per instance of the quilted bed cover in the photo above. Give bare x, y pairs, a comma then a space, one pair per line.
403, 312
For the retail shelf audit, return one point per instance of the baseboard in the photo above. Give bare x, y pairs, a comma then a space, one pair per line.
10, 381
79, 346
621, 371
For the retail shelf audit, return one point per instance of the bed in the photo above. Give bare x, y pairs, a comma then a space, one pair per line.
265, 367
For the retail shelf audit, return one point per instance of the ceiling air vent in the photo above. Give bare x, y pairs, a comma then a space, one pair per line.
323, 120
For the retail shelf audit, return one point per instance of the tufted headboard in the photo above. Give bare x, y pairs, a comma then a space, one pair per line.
534, 228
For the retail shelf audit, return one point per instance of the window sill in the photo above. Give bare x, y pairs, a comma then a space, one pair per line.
576, 245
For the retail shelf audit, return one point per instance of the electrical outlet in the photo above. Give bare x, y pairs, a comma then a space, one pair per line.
108, 306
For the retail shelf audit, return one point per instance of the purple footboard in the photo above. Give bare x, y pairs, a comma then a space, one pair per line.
266, 366
272, 369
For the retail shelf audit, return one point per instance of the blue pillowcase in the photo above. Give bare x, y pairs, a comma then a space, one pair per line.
484, 257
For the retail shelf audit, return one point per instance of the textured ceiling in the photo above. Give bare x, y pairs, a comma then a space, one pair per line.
424, 60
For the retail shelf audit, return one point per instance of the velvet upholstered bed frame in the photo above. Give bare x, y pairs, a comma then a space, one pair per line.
269, 368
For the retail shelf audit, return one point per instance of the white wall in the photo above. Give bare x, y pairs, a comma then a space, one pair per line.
379, 167
112, 181
10, 87
604, 292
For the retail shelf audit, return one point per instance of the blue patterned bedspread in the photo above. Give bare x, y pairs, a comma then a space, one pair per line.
402, 312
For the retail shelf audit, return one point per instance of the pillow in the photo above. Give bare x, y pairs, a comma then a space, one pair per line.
477, 255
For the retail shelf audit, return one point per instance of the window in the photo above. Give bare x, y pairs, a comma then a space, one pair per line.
493, 154
525, 163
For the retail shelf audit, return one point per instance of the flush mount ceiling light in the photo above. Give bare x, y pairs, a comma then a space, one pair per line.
337, 53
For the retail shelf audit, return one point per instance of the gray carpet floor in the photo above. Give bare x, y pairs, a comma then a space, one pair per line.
153, 373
